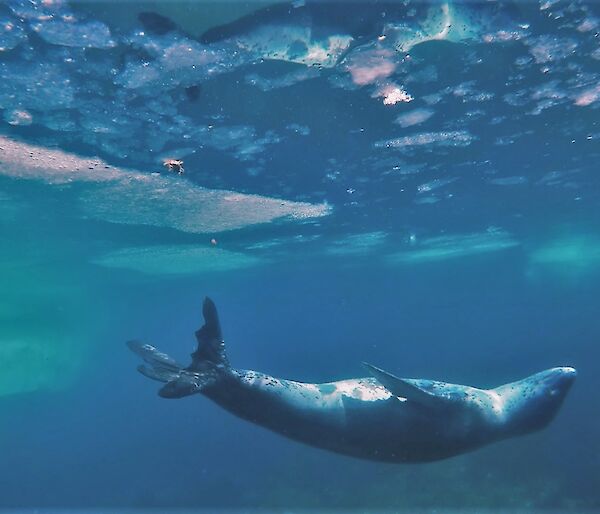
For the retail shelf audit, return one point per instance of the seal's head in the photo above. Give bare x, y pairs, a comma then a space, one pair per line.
530, 404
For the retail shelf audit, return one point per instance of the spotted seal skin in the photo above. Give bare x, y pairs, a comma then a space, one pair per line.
382, 417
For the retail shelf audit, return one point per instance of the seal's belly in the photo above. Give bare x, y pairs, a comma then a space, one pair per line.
355, 417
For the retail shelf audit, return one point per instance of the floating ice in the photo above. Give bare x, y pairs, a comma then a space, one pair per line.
132, 197
287, 80
454, 246
588, 96
548, 48
444, 21
435, 184
25, 161
358, 244
508, 181
392, 94
39, 86
177, 260
302, 130
588, 24
502, 36
136, 103
33, 10
178, 61
240, 140
547, 95
293, 43
468, 92
283, 242
414, 117
517, 98
93, 34
367, 66
557, 178
426, 200
11, 34
451, 138
551, 90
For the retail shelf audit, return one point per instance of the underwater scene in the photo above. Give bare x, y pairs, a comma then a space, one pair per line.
389, 210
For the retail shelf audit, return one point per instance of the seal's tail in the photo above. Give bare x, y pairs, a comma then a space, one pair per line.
209, 361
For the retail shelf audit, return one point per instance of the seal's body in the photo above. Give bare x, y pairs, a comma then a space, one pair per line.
382, 417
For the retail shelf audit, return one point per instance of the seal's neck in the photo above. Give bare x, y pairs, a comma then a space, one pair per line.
530, 404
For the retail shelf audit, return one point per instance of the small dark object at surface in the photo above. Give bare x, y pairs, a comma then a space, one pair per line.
175, 165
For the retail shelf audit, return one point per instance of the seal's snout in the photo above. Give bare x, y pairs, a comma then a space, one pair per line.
561, 379
567, 376
569, 372
565, 371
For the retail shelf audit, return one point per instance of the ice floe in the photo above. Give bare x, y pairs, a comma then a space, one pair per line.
41, 86
286, 80
435, 184
550, 48
508, 181
450, 138
454, 246
414, 117
93, 34
175, 61
134, 96
392, 93
177, 260
445, 21
588, 96
371, 65
33, 10
132, 197
358, 244
169, 202
11, 34
301, 130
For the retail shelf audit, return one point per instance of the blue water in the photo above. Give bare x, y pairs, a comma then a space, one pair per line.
410, 185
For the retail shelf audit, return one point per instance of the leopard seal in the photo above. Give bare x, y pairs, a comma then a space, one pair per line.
381, 417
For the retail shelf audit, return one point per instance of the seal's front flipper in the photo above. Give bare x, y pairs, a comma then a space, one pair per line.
179, 381
404, 389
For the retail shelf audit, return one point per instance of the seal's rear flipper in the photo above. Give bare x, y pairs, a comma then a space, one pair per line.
209, 361
179, 382
154, 357
211, 347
